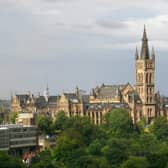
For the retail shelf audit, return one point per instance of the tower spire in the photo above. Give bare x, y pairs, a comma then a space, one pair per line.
144, 50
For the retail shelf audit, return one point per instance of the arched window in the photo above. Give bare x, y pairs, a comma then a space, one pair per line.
151, 99
147, 78
150, 77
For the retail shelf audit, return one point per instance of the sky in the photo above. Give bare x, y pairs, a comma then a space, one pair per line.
78, 42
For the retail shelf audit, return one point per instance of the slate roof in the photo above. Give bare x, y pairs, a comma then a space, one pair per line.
108, 91
40, 102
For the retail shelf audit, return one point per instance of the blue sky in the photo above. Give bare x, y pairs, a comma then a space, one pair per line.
78, 42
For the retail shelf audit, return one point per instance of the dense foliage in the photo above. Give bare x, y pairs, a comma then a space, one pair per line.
7, 161
117, 143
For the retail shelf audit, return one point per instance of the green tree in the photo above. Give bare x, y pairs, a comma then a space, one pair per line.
159, 158
83, 124
118, 122
147, 144
45, 124
69, 148
12, 117
116, 151
7, 161
135, 162
61, 121
160, 128
89, 161
44, 160
95, 147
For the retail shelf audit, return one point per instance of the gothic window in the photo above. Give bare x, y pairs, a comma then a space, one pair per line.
151, 99
147, 99
150, 78
147, 90
147, 78
148, 111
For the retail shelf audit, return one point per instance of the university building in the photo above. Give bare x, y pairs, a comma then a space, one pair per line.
141, 100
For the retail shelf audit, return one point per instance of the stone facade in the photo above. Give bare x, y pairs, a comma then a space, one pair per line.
140, 100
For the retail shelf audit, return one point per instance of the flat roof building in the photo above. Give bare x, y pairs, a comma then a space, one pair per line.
14, 138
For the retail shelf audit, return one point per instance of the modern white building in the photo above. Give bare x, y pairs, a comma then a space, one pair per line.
18, 138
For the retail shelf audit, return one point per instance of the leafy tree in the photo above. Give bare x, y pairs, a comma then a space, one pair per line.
95, 147
7, 161
85, 127
61, 121
159, 158
160, 128
12, 117
141, 125
89, 161
118, 121
147, 144
115, 151
135, 162
69, 148
45, 124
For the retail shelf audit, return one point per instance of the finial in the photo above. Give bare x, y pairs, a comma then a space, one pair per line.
144, 28
77, 90
153, 53
136, 53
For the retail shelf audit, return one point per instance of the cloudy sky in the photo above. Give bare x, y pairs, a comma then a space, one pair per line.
78, 42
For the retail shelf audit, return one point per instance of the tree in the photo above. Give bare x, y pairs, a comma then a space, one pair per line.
160, 128
95, 147
61, 121
118, 122
89, 161
159, 157
44, 160
115, 151
135, 162
7, 161
45, 124
83, 124
69, 148
12, 117
147, 144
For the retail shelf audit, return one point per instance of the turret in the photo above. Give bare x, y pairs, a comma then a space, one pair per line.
136, 54
153, 53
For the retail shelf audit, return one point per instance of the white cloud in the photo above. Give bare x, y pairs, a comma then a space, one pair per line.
36, 31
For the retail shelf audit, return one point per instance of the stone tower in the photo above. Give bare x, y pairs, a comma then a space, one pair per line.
145, 84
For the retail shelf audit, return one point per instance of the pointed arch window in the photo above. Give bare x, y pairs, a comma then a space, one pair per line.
147, 78
150, 77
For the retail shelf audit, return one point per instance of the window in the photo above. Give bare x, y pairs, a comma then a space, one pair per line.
147, 78
150, 78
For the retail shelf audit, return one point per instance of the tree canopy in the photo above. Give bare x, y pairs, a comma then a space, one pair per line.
116, 143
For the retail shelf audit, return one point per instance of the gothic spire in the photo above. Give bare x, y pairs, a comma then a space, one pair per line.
144, 50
